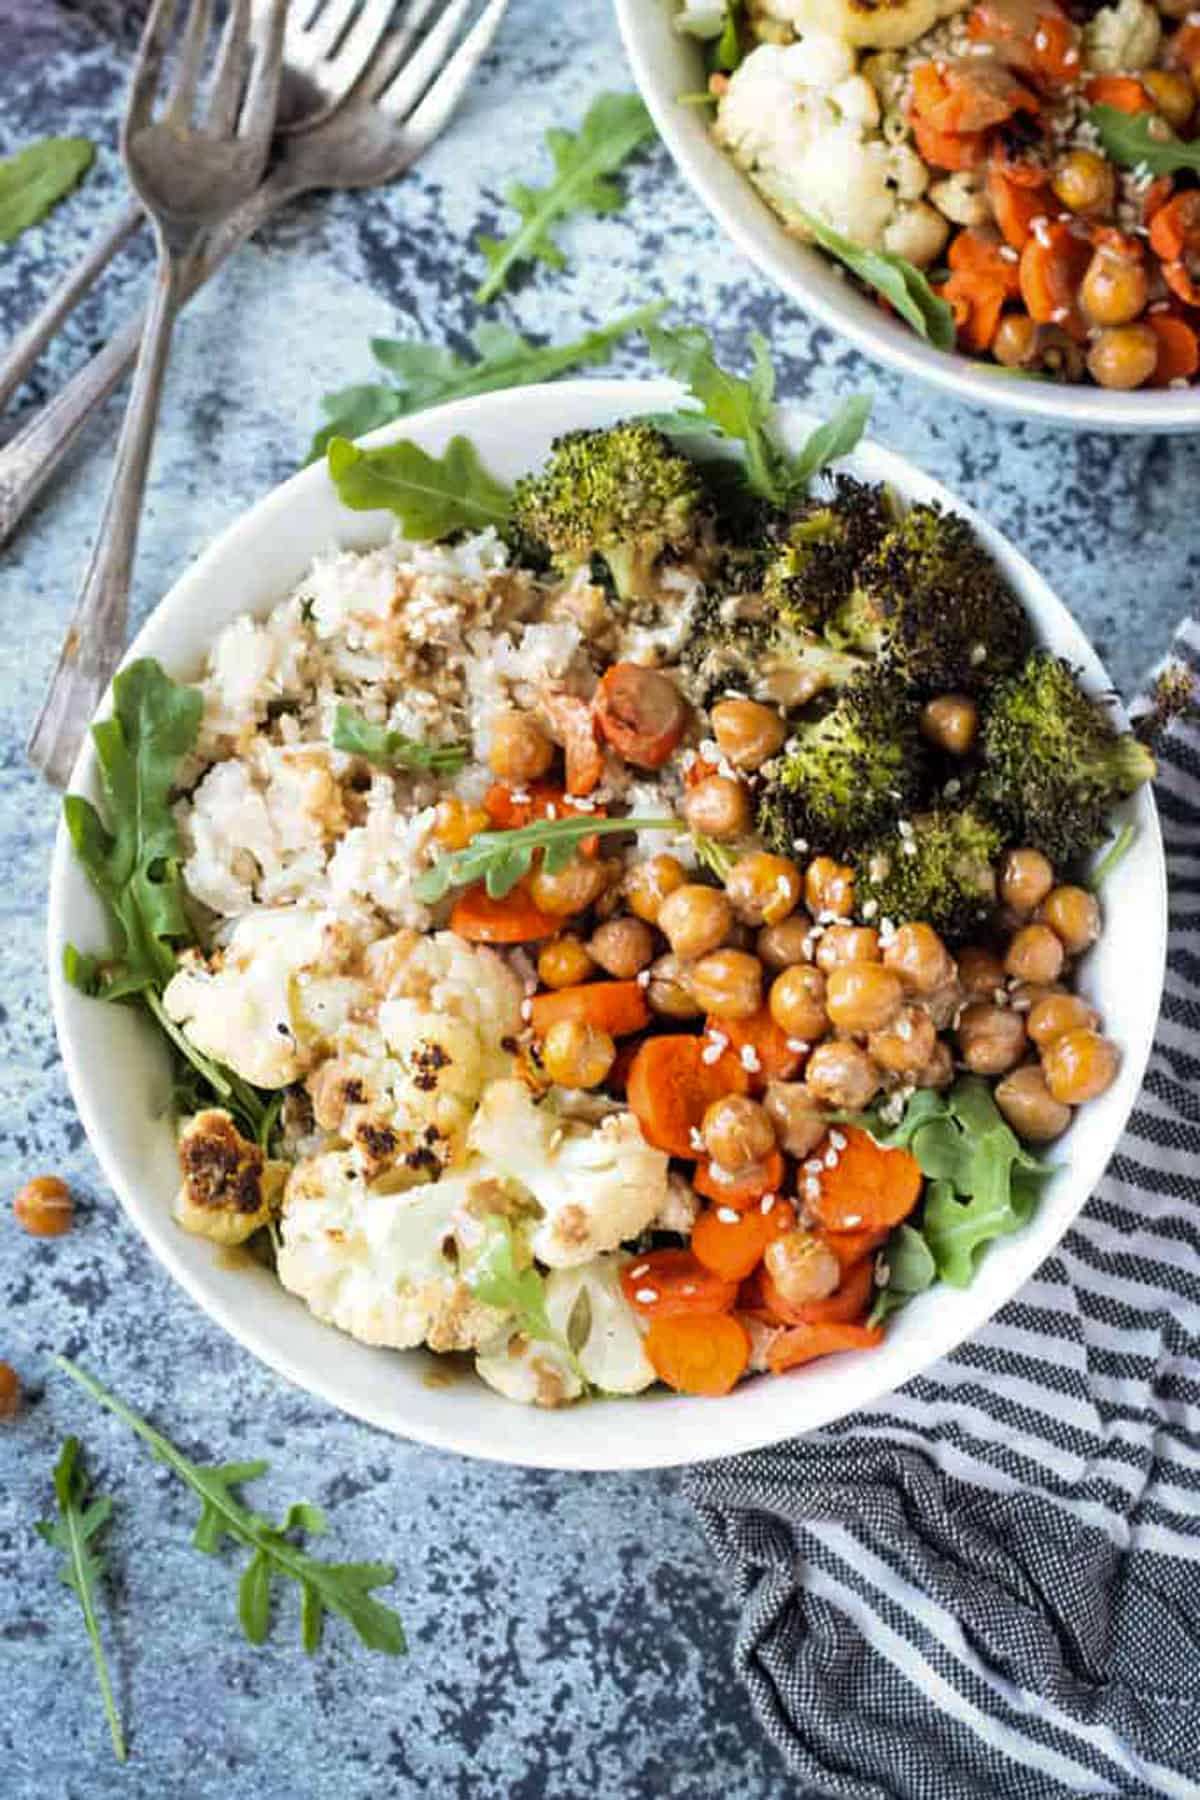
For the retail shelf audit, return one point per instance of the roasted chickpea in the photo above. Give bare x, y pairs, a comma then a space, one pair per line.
862, 997
747, 733
1055, 1015
939, 1070
1123, 356
520, 750
841, 1074
779, 946
797, 1003
718, 806
1034, 954
991, 1039
669, 992
846, 944
763, 888
1074, 916
829, 887
648, 884
1115, 287
1025, 878
904, 1046
454, 824
695, 919
43, 1207
1080, 1065
980, 973
577, 1055
918, 956
1086, 183
1173, 94
798, 1120
1016, 341
951, 722
572, 889
802, 1267
737, 1133
10, 1392
564, 962
622, 947
727, 983
1025, 996
1030, 1107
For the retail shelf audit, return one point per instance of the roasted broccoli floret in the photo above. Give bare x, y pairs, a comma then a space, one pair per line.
840, 776
1054, 765
931, 600
938, 867
624, 495
814, 554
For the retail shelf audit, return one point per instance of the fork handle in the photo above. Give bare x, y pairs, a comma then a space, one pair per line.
96, 636
30, 343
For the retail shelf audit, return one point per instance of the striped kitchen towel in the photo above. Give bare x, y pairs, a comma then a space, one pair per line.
989, 1584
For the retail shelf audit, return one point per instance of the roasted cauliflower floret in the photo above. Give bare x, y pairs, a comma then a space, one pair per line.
873, 24
529, 1370
383, 1266
229, 1187
596, 1185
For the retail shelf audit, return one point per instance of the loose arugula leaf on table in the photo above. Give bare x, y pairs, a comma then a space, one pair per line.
358, 736
1132, 140
910, 1270
342, 1588
74, 1532
900, 282
494, 1277
432, 496
37, 178
428, 375
502, 858
614, 126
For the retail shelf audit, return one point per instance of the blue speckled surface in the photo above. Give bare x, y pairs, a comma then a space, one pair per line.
567, 1633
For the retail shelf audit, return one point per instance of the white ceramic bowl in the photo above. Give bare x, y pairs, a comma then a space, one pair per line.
666, 64
118, 1073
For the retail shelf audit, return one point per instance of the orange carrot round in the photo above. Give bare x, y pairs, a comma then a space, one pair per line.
1121, 92
1175, 227
961, 96
670, 1088
851, 1246
570, 719
1178, 348
671, 1284
977, 304
868, 1185
745, 1190
1016, 205
699, 1356
803, 1343
1053, 264
979, 253
948, 149
618, 1007
512, 920
733, 1247
641, 713
772, 1057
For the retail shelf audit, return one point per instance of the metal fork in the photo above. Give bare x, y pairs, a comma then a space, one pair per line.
189, 177
326, 47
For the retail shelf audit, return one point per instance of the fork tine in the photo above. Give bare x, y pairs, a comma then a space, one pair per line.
148, 67
191, 62
231, 71
355, 50
406, 80
324, 31
262, 96
431, 116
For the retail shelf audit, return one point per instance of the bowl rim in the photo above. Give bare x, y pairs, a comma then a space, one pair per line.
761, 237
635, 1449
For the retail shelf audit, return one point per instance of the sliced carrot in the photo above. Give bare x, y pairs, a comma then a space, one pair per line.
1182, 50
698, 769
849, 1299
1045, 46
732, 1248
978, 252
746, 1189
772, 1057
512, 920
508, 807
1175, 227
1178, 348
851, 1246
977, 304
868, 1185
1016, 205
1053, 264
804, 1343
1156, 197
672, 1284
570, 719
948, 149
1182, 282
618, 1007
1121, 92
1056, 54
699, 1356
961, 96
640, 713
670, 1088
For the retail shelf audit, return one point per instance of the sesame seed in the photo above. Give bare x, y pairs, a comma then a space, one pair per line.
1060, 315
689, 1287
696, 1139
1008, 254
851, 1221
904, 827
813, 1166
750, 1059
551, 810
869, 908
712, 1053
767, 1204
728, 1215
882, 1274
798, 1046
812, 1188
642, 1268
831, 1158
953, 788
838, 1140
909, 846
643, 979
645, 1296
527, 1009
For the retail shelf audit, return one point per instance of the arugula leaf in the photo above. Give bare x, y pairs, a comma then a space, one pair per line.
836, 438
502, 858
74, 1533
37, 178
1132, 140
714, 855
899, 281
494, 1277
431, 496
428, 375
910, 1270
342, 1588
357, 736
614, 126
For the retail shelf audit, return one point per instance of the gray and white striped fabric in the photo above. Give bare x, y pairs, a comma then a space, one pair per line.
989, 1585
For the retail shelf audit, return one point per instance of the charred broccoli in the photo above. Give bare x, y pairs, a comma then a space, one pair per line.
937, 867
814, 554
840, 776
624, 495
1054, 765
932, 602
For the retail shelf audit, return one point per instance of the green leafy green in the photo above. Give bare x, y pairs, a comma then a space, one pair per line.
1117, 851
428, 375
74, 1533
910, 1270
431, 496
899, 281
614, 126
495, 1276
836, 438
1143, 140
37, 178
341, 1588
357, 736
502, 858
715, 856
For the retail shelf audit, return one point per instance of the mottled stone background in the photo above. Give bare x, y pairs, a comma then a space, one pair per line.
568, 1635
